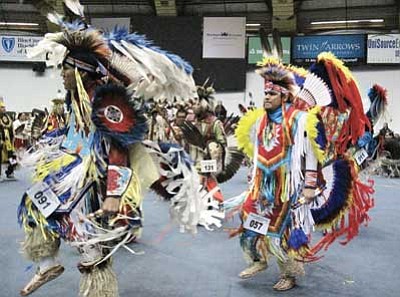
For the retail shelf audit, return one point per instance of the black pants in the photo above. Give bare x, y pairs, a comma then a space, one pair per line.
10, 168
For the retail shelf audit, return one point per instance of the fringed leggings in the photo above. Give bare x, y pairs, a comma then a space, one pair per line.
255, 249
98, 281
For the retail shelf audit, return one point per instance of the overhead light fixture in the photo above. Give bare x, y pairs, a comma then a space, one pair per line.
253, 25
347, 22
19, 24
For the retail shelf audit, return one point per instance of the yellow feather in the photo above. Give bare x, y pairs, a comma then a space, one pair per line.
44, 167
312, 133
242, 131
328, 56
269, 60
83, 111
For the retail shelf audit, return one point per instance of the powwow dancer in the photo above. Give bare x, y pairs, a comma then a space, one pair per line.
216, 162
304, 176
88, 181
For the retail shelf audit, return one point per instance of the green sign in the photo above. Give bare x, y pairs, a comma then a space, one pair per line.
255, 50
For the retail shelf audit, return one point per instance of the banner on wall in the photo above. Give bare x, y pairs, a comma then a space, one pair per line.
383, 49
349, 48
108, 24
13, 48
224, 37
255, 52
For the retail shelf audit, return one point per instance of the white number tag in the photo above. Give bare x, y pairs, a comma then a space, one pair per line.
257, 224
360, 156
208, 166
43, 198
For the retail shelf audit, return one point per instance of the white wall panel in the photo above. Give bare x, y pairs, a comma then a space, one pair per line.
24, 89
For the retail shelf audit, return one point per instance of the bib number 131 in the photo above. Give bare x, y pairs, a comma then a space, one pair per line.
257, 224
208, 166
43, 198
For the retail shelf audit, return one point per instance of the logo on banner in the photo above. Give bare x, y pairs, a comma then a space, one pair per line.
8, 43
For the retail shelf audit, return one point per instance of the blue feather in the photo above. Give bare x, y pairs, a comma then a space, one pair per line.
338, 196
321, 137
297, 239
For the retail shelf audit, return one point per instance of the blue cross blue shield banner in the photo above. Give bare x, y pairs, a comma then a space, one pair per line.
14, 48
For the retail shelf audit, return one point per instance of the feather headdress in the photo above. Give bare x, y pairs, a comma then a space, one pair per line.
204, 93
274, 72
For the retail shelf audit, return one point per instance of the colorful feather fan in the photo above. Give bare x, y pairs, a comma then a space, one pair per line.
345, 97
315, 91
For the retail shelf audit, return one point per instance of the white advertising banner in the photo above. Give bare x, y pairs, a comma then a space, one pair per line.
108, 24
13, 48
383, 49
224, 37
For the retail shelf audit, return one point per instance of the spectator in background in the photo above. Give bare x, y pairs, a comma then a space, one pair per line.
7, 141
220, 111
56, 119
19, 125
386, 132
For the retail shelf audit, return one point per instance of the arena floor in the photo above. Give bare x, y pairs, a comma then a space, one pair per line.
207, 264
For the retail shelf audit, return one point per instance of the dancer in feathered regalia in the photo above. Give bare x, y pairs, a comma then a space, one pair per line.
56, 119
215, 161
305, 176
89, 180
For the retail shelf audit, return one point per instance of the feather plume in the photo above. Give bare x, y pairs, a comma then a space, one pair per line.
267, 52
75, 7
277, 42
315, 91
192, 135
378, 97
233, 161
125, 67
90, 41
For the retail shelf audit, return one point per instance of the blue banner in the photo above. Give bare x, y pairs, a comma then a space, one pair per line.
349, 48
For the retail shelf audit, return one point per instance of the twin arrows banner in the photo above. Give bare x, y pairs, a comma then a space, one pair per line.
13, 48
349, 48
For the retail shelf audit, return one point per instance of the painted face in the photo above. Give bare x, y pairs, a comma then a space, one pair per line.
272, 100
68, 75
